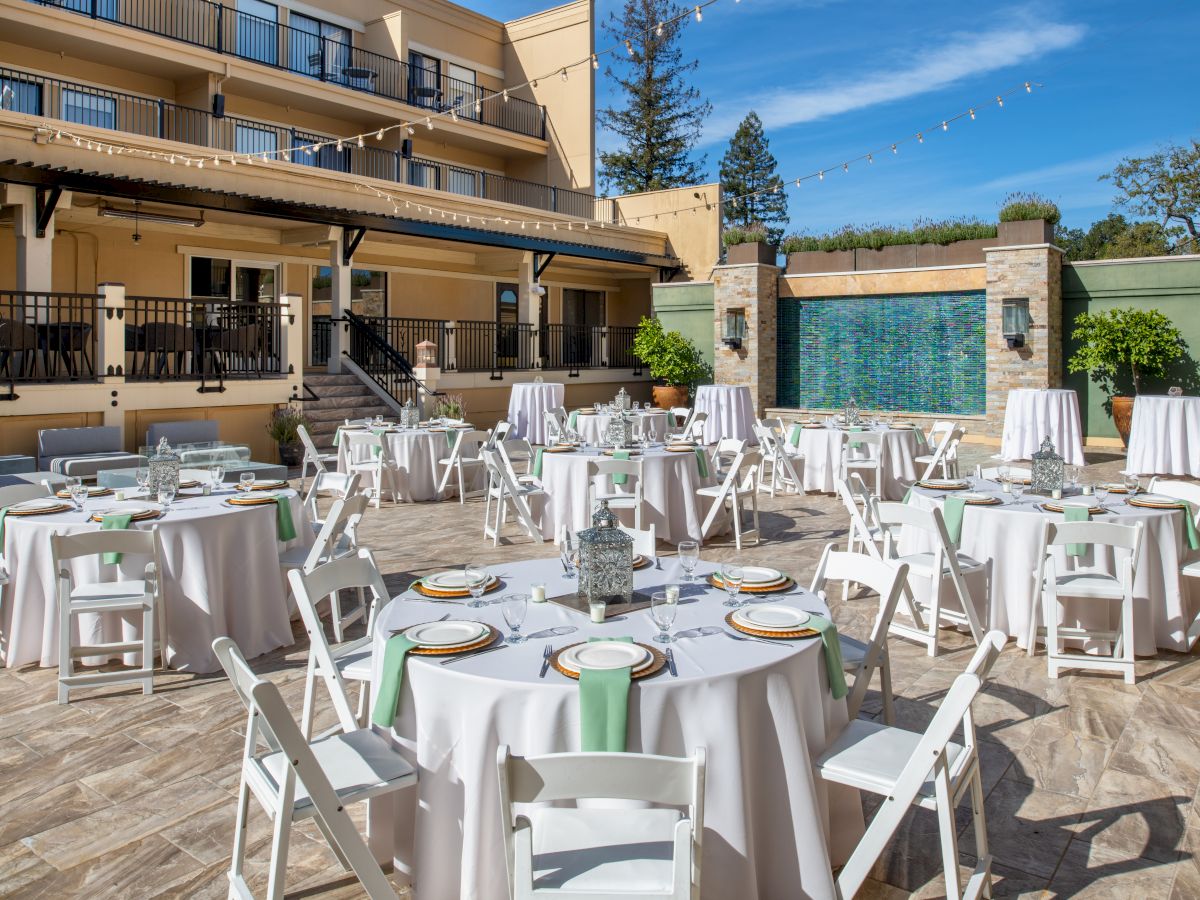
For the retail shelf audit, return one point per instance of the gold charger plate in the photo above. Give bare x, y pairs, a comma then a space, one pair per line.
793, 635
62, 507
561, 448
630, 452
1112, 487
657, 661
990, 501
264, 486
452, 595
1051, 506
138, 517
92, 492
1153, 504
681, 449
786, 585
489, 638
250, 501
959, 486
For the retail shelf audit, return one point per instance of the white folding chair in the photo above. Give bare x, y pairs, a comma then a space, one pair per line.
140, 597
499, 433
679, 417
738, 486
861, 659
602, 486
464, 457
296, 780
375, 460
866, 459
312, 457
556, 428
937, 434
927, 769
1188, 493
18, 493
350, 660
519, 454
338, 485
783, 465
935, 566
724, 454
504, 488
1088, 587
945, 456
645, 540
337, 538
693, 429
592, 853
992, 473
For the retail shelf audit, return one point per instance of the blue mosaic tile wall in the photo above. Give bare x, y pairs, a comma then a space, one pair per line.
912, 352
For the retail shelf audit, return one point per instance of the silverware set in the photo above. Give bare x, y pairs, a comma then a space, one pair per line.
454, 659
746, 637
670, 654
547, 652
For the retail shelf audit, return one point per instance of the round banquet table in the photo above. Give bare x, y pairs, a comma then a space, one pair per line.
669, 499
762, 714
822, 451
222, 577
527, 405
416, 451
730, 412
1036, 413
1010, 536
1165, 436
593, 427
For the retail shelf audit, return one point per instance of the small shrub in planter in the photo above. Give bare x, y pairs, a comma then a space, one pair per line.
284, 429
1023, 207
672, 359
748, 244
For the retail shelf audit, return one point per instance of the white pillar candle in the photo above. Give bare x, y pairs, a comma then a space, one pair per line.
672, 593
538, 594
597, 611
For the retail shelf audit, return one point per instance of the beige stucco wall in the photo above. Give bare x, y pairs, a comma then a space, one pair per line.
691, 218
908, 281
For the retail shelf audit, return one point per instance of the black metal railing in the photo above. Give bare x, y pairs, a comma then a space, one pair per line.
168, 339
379, 361
493, 346
403, 335
320, 340
47, 337
224, 29
620, 348
573, 347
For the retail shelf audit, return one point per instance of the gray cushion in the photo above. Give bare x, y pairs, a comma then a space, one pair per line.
88, 464
195, 431
53, 442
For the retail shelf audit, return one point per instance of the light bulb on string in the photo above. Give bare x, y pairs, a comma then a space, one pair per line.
429, 123
971, 112
658, 31
1000, 100
629, 46
564, 73
945, 125
845, 167
360, 142
821, 175
1028, 88
920, 138
595, 62
379, 135
478, 106
699, 15
870, 159
894, 150
505, 94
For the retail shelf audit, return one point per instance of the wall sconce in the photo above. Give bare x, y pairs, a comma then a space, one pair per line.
735, 328
1015, 321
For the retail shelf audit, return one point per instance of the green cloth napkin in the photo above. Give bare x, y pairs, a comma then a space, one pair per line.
383, 713
604, 706
1073, 512
283, 520
833, 655
3, 513
337, 436
907, 496
451, 437
854, 445
701, 462
620, 477
537, 462
794, 437
573, 419
952, 514
378, 432
1193, 540
117, 522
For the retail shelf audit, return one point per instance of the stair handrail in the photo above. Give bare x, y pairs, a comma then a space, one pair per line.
400, 366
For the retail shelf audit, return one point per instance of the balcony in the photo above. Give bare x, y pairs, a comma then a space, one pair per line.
223, 29
81, 104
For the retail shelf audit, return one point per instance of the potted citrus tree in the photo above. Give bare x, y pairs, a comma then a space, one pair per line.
284, 429
672, 359
1120, 349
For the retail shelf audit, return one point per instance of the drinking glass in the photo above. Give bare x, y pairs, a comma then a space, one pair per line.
78, 492
1102, 491
566, 551
246, 480
166, 496
1132, 483
662, 611
514, 609
1017, 488
476, 579
596, 408
143, 479
732, 576
218, 476
71, 481
689, 556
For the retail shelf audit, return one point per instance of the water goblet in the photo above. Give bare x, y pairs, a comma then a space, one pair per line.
142, 476
731, 577
217, 473
566, 552
166, 496
246, 480
476, 579
1017, 488
1132, 483
514, 608
662, 610
78, 492
689, 557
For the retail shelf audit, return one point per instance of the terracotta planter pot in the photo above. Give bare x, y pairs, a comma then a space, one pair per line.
667, 396
1122, 413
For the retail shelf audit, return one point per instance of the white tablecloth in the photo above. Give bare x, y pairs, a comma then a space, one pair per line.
1165, 437
527, 403
1010, 536
669, 499
1034, 414
222, 578
822, 450
730, 412
593, 427
416, 452
762, 713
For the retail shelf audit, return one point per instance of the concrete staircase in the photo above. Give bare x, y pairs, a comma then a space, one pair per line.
341, 397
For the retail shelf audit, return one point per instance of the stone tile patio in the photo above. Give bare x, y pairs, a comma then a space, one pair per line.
1091, 784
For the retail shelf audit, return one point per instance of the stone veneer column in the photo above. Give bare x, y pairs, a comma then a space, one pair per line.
1033, 272
754, 288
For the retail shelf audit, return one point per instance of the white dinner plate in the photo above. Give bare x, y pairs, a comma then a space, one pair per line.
39, 503
943, 482
759, 575
133, 509
1155, 499
257, 496
453, 580
605, 655
771, 618
1087, 502
446, 634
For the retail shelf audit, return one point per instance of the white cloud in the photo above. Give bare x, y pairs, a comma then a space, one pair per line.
961, 56
1093, 166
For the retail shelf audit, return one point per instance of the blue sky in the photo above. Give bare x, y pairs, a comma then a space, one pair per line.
834, 79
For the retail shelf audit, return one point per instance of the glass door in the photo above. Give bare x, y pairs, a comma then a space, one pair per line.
258, 31
507, 325
424, 75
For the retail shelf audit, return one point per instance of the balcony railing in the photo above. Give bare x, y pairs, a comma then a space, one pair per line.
203, 23
47, 337
82, 104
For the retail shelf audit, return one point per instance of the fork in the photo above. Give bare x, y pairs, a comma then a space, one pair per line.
746, 637
546, 654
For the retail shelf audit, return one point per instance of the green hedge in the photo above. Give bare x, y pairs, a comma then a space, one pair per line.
1024, 207
875, 237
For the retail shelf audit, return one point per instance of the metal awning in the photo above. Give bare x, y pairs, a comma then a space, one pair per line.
146, 190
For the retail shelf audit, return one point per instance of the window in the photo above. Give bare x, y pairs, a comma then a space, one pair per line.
368, 292
423, 174
318, 48
583, 307
21, 96
210, 278
258, 31
254, 140
462, 181
327, 157
89, 109
424, 80
462, 90
105, 9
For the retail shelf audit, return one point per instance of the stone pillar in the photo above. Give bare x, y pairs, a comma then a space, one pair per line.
755, 289
34, 254
339, 304
1032, 272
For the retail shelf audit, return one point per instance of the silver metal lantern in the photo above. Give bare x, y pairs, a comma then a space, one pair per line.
164, 469
1048, 469
851, 413
605, 560
620, 430
410, 416
622, 401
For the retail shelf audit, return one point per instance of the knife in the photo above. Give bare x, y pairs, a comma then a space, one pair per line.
546, 660
671, 663
453, 659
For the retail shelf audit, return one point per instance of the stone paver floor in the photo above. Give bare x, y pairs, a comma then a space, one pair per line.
1091, 784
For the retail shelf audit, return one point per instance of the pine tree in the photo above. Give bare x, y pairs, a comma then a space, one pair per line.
747, 167
662, 114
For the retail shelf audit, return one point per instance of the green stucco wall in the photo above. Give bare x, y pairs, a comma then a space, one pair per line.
1169, 284
688, 309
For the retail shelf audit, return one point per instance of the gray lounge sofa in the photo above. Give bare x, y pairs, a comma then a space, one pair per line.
193, 431
84, 451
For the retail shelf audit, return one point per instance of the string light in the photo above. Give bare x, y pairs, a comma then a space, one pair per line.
699, 16
595, 62
658, 31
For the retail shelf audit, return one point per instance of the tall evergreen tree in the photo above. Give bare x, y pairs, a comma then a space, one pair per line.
746, 167
661, 115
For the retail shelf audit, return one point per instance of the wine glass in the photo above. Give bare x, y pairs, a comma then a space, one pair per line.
142, 477
1102, 488
476, 579
1132, 483
1017, 488
731, 577
246, 480
217, 473
514, 608
662, 610
166, 496
78, 491
566, 551
689, 556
